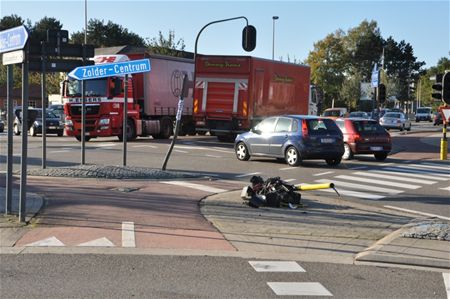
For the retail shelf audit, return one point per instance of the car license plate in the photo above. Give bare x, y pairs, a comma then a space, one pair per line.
376, 148
52, 127
327, 140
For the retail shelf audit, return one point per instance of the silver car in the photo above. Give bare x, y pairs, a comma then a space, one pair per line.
395, 120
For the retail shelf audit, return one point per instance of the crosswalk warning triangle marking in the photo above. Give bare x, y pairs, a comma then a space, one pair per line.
49, 242
101, 242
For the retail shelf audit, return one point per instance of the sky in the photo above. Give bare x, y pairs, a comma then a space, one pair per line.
423, 24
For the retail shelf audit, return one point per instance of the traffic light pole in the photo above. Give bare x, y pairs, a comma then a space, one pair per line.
444, 143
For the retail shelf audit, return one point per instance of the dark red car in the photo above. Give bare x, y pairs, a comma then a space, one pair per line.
364, 136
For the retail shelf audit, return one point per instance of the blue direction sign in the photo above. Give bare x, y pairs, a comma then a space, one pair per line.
13, 39
110, 69
374, 78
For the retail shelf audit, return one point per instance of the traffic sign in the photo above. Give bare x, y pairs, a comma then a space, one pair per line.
110, 69
374, 79
13, 39
446, 113
13, 57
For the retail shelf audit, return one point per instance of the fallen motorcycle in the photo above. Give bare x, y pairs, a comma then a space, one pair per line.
274, 192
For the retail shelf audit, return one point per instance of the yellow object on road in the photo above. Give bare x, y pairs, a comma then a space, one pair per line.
314, 186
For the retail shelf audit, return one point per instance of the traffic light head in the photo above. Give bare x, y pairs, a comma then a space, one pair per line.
381, 93
437, 88
446, 88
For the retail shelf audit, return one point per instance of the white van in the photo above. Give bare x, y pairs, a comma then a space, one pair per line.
424, 113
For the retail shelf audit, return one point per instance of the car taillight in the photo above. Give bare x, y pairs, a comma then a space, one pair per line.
304, 129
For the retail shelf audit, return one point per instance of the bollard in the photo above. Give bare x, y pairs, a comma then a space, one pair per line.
444, 143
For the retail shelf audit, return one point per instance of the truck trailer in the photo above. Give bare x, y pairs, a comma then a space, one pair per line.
152, 100
233, 93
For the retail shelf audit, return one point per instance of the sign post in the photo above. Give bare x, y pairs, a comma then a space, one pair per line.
108, 70
444, 143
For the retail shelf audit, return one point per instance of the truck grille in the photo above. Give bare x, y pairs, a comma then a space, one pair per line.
90, 110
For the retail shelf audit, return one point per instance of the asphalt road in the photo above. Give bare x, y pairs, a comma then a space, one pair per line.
125, 276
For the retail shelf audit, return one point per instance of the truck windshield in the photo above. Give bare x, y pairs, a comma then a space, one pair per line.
93, 88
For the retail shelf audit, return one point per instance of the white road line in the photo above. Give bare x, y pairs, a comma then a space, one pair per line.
435, 164
338, 184
144, 145
417, 212
62, 151
354, 193
288, 168
195, 186
128, 239
323, 173
446, 277
372, 181
395, 178
409, 174
289, 180
49, 242
299, 289
104, 144
429, 171
183, 152
276, 266
385, 164
213, 156
446, 188
102, 242
247, 174
357, 168
443, 168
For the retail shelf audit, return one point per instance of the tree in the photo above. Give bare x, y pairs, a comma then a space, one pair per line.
39, 30
350, 92
12, 21
166, 46
107, 35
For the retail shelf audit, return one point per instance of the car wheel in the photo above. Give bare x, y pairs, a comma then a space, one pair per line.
16, 130
409, 128
60, 133
380, 156
292, 156
348, 154
333, 162
402, 128
33, 131
242, 152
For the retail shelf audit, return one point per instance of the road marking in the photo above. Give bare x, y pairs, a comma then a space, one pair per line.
204, 148
195, 186
49, 242
299, 289
446, 188
102, 242
212, 156
444, 169
435, 164
385, 164
289, 180
183, 152
417, 212
247, 174
287, 168
128, 239
144, 145
446, 277
104, 144
275, 266
337, 184
354, 194
61, 151
395, 178
323, 173
429, 171
372, 181
409, 174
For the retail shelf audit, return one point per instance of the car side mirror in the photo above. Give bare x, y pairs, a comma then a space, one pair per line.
256, 131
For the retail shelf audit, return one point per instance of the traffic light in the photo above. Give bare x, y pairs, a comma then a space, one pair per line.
446, 88
437, 92
412, 89
381, 93
249, 38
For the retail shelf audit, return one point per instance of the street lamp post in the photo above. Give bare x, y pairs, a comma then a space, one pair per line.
273, 36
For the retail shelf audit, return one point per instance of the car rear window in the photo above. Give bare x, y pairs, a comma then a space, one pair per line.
423, 110
320, 126
367, 127
393, 115
332, 113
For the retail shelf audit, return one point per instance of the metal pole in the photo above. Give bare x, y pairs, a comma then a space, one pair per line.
9, 158
44, 107
83, 123
125, 119
273, 36
24, 152
85, 21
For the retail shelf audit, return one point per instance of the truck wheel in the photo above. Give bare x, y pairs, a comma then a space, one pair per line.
86, 138
16, 130
131, 131
166, 129
190, 129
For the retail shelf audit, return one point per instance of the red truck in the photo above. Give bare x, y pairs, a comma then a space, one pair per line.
152, 100
233, 93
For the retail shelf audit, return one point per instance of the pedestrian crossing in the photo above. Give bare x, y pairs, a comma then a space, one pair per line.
289, 288
376, 184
